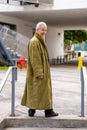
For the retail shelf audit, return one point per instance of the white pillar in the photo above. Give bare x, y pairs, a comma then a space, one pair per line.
55, 42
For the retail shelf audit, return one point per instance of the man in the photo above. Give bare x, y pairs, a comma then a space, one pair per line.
38, 89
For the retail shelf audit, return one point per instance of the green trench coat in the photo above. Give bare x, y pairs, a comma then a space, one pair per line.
37, 93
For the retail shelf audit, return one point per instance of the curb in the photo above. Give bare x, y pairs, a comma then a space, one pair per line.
62, 121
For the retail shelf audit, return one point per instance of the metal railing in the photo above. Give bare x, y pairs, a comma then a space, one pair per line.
14, 78
64, 59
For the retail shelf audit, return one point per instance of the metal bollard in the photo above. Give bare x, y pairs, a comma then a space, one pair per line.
82, 93
14, 77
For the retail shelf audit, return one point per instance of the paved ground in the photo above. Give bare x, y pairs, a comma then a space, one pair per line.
66, 94
46, 129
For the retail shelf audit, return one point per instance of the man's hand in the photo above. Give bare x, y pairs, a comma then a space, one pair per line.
40, 77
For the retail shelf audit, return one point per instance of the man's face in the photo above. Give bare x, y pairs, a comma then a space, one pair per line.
42, 31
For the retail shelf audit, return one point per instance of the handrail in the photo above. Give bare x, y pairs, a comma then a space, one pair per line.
14, 77
5, 78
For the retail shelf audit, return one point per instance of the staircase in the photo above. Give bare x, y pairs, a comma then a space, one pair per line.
14, 43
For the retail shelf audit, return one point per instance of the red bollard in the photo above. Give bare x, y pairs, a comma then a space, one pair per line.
22, 62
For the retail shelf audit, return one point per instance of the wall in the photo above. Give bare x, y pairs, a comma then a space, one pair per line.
55, 38
70, 4
23, 27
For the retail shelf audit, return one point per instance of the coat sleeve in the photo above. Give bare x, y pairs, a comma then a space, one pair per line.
35, 59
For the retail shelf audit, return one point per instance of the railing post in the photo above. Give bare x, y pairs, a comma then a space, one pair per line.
14, 77
82, 93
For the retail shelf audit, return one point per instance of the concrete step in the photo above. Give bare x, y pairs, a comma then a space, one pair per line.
46, 129
62, 121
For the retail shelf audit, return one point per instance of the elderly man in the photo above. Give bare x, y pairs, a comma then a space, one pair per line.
38, 89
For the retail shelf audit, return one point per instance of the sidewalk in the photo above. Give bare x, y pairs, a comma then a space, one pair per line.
66, 94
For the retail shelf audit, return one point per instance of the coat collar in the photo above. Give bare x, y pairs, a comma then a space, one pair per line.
42, 42
39, 37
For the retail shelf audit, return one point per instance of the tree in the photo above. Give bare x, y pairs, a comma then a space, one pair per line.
75, 36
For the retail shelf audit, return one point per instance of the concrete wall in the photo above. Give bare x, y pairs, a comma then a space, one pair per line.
55, 44
23, 27
70, 4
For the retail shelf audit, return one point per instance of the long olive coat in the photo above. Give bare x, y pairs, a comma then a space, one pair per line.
37, 93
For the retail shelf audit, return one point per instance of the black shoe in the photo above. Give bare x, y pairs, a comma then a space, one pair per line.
50, 113
31, 112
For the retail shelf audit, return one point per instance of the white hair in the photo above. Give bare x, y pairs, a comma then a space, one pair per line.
40, 24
